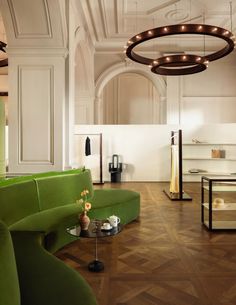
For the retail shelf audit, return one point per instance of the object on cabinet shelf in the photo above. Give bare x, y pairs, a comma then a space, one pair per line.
218, 213
218, 203
176, 169
115, 169
195, 141
196, 171
218, 153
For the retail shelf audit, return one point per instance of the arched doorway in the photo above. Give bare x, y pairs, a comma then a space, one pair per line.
130, 98
122, 70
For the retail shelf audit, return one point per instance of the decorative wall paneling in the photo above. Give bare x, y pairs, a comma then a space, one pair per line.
36, 114
37, 23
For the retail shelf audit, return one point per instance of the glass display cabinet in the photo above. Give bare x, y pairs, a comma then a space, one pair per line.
218, 203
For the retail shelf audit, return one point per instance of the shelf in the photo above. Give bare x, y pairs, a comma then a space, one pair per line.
227, 207
222, 188
212, 159
222, 224
208, 144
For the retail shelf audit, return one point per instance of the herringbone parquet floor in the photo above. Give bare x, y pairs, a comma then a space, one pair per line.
165, 258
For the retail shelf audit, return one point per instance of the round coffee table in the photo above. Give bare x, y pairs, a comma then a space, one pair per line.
95, 231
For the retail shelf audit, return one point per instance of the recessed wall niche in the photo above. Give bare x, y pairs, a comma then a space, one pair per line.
130, 98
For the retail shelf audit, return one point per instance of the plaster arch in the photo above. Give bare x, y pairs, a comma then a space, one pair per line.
115, 70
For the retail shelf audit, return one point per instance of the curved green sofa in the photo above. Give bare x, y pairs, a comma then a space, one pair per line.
32, 276
37, 209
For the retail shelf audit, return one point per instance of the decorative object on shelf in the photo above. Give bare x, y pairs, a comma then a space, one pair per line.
186, 63
218, 153
218, 203
86, 206
196, 141
196, 171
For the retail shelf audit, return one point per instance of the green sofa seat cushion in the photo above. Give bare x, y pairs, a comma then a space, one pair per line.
107, 197
48, 220
122, 203
9, 285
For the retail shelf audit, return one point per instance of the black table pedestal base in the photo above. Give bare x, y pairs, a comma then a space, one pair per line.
96, 266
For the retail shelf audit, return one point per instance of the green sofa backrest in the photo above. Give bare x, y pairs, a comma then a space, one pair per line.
18, 201
63, 189
9, 285
19, 179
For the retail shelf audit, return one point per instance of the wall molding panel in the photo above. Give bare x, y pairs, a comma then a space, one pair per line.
20, 30
36, 114
32, 24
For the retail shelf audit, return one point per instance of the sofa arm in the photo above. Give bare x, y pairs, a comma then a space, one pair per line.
43, 278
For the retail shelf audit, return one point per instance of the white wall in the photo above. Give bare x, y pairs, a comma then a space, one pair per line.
145, 149
206, 97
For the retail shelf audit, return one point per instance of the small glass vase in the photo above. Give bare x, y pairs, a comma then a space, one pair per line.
84, 220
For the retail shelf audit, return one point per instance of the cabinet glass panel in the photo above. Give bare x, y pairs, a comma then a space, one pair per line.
219, 203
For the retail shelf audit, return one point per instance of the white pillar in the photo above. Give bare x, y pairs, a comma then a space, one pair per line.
38, 91
36, 111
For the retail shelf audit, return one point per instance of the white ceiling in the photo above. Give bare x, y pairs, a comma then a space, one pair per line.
112, 22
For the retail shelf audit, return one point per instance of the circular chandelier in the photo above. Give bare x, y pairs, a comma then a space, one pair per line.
180, 64
3, 62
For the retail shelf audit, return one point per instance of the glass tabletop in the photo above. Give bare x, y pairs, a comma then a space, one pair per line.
94, 230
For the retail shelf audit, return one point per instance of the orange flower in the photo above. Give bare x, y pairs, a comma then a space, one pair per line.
87, 206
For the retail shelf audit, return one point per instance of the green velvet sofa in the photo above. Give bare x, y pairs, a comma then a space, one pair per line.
31, 275
37, 209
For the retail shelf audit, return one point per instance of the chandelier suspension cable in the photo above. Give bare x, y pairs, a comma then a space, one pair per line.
231, 18
204, 37
190, 9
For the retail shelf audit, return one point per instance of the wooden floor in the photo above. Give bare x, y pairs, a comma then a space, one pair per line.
167, 258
